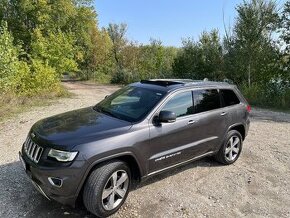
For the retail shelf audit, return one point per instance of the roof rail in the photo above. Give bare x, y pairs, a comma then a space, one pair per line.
184, 82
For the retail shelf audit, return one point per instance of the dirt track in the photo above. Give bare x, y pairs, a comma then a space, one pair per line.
257, 185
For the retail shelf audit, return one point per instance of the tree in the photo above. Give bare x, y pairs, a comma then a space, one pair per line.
117, 33
250, 47
201, 59
101, 61
56, 49
285, 37
8, 57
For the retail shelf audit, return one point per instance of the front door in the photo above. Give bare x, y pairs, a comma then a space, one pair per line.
167, 139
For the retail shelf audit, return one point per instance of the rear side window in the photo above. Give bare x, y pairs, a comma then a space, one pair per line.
206, 100
180, 104
229, 97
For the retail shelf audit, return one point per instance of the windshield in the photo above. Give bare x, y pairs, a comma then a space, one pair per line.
130, 103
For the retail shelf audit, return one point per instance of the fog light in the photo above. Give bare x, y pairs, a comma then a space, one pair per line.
57, 182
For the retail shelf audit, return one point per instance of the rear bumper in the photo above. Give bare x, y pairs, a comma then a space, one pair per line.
70, 176
247, 126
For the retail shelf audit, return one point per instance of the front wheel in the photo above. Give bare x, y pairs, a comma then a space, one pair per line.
231, 149
107, 188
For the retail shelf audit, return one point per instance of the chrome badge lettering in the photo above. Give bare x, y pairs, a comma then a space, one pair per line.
167, 156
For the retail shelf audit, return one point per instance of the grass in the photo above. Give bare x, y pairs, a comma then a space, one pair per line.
11, 105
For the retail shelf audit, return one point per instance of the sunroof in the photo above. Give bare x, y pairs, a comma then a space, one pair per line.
162, 82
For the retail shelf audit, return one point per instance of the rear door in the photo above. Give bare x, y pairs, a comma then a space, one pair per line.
237, 112
212, 119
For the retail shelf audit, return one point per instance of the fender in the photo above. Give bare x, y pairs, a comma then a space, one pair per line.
237, 124
96, 162
225, 135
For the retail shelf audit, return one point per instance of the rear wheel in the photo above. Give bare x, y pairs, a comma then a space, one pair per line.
231, 149
107, 188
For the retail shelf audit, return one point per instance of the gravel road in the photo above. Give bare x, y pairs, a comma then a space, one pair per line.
257, 185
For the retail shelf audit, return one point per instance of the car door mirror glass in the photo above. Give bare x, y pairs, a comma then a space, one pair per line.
167, 117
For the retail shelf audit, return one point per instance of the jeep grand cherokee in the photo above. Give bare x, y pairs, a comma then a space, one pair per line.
145, 128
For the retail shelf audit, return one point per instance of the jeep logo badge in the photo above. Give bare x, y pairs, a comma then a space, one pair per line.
32, 135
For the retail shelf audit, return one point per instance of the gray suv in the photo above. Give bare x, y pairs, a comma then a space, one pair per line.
97, 153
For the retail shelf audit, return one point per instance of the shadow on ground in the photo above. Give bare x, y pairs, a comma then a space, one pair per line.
19, 198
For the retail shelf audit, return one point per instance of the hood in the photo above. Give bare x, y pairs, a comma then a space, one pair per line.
66, 130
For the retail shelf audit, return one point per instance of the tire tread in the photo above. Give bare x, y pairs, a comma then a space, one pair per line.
95, 183
219, 157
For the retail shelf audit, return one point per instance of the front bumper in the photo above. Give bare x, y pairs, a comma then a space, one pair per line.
71, 177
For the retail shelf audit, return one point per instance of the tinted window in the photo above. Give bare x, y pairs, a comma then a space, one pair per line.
205, 100
130, 103
180, 104
229, 97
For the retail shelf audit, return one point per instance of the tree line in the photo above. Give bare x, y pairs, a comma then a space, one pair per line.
42, 40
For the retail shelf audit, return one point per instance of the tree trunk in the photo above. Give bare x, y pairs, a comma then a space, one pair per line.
249, 75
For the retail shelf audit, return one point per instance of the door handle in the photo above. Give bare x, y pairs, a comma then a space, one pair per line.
223, 113
191, 122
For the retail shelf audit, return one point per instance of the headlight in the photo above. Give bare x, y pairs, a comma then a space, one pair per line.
63, 156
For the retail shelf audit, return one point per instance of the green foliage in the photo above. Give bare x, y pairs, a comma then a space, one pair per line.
144, 62
272, 94
156, 60
17, 76
100, 63
41, 40
117, 34
201, 59
56, 37
57, 50
8, 58
285, 37
123, 76
249, 53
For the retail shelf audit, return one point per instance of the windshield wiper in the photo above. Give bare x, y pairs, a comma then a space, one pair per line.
101, 110
96, 108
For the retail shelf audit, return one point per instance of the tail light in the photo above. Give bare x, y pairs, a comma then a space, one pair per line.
248, 108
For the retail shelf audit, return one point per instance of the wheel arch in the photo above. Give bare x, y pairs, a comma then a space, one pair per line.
240, 128
128, 157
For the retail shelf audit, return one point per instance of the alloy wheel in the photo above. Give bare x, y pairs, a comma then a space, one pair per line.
232, 148
115, 190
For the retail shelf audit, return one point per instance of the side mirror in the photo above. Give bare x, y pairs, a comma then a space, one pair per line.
167, 117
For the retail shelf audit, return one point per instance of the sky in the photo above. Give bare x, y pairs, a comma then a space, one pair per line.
167, 20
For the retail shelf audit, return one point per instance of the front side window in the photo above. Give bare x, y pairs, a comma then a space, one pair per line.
180, 104
206, 100
130, 103
229, 97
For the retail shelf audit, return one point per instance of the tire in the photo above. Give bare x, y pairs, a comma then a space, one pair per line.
102, 194
231, 149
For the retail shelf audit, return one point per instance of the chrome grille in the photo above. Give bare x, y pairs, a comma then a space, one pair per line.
32, 150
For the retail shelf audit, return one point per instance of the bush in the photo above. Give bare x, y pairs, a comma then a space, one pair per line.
102, 78
8, 58
37, 79
123, 76
274, 95
17, 77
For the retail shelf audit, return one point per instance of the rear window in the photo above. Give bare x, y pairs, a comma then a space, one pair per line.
206, 100
229, 97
